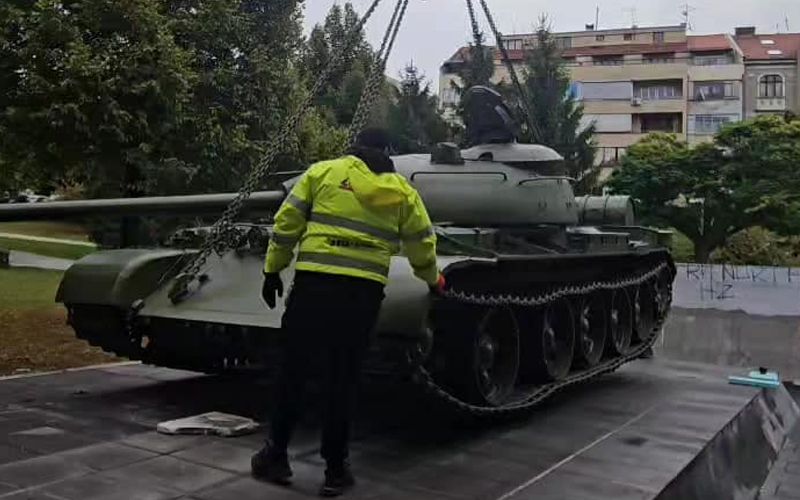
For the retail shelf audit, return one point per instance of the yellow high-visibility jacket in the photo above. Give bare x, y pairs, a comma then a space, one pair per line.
349, 220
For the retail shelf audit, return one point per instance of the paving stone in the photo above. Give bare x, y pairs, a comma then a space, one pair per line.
162, 443
48, 439
104, 487
33, 494
6, 488
171, 472
643, 478
219, 455
561, 485
108, 455
247, 488
10, 454
40, 470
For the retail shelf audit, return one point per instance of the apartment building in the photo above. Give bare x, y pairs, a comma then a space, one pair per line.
714, 82
772, 71
635, 81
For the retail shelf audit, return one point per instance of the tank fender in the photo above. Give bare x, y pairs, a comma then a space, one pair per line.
115, 277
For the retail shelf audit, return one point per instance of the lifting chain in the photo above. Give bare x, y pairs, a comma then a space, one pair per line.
222, 233
375, 81
421, 375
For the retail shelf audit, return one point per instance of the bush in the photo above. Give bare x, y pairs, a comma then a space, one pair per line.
761, 247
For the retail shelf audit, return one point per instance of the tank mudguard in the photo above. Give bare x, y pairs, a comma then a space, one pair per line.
232, 296
115, 277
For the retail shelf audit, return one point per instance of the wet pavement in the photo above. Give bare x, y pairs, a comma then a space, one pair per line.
27, 259
89, 434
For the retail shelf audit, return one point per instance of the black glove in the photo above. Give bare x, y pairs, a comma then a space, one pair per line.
272, 284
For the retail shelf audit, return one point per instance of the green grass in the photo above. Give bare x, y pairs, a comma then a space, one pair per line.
46, 248
28, 288
33, 332
62, 230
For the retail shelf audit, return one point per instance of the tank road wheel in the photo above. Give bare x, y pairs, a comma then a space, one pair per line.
620, 323
663, 294
552, 341
644, 310
485, 364
591, 330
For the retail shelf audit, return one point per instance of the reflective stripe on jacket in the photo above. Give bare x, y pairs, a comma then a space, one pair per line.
349, 220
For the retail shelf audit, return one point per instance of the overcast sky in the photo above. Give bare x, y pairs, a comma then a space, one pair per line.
434, 29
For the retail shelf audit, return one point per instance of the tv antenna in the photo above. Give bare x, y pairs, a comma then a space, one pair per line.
686, 13
632, 12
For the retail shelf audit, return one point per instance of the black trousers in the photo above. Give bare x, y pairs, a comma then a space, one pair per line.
328, 320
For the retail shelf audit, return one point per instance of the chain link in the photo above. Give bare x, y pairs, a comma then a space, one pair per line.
375, 81
221, 235
422, 377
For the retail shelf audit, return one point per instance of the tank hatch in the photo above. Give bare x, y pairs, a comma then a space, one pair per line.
511, 153
487, 117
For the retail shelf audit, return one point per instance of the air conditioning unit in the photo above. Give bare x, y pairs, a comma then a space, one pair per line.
636, 101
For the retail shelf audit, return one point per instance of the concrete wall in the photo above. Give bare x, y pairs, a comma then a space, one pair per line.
753, 73
742, 316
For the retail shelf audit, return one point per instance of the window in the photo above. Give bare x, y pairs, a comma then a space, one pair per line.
709, 124
658, 92
627, 37
606, 90
659, 59
713, 91
515, 44
659, 123
770, 86
600, 38
450, 97
607, 60
658, 37
711, 60
564, 42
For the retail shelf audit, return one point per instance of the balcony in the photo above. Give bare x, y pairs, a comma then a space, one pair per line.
771, 104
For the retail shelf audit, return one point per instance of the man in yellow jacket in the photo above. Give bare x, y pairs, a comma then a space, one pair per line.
348, 216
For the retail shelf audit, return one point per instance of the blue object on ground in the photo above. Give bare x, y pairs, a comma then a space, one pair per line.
757, 379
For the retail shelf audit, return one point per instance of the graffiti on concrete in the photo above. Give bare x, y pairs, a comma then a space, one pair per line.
755, 289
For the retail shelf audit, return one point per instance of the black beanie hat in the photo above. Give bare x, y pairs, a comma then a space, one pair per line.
375, 138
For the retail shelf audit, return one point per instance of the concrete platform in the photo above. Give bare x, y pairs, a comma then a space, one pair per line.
647, 431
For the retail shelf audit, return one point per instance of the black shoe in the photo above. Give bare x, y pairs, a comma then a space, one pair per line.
271, 466
338, 479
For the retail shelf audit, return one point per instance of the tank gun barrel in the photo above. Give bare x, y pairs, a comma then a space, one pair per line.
201, 204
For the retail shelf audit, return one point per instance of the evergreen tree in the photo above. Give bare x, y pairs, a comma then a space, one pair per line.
556, 112
413, 118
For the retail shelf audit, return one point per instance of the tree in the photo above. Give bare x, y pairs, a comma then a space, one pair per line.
763, 158
136, 97
557, 114
413, 118
339, 99
750, 176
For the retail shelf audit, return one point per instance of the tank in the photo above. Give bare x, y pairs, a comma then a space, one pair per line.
546, 290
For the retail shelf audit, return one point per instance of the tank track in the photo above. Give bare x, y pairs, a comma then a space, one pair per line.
536, 395
92, 323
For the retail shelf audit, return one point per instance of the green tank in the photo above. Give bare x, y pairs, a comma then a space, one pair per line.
545, 289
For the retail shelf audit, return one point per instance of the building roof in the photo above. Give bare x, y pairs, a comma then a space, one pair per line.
758, 47
626, 49
607, 31
700, 43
